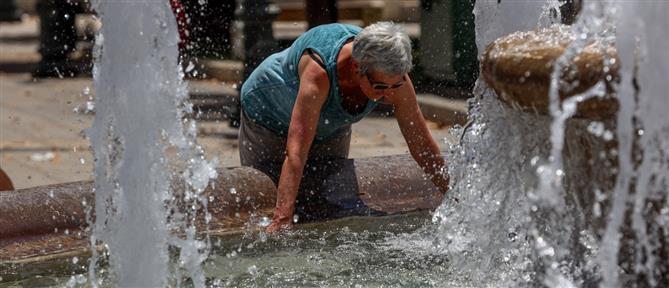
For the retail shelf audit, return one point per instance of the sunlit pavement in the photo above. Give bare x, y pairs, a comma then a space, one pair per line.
42, 122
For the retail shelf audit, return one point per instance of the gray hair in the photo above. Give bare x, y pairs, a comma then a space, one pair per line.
383, 47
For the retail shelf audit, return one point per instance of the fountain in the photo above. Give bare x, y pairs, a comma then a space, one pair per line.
561, 174
581, 192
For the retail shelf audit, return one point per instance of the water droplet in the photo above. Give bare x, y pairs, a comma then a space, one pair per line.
597, 210
264, 222
596, 128
233, 191
190, 67
253, 270
534, 161
75, 260
559, 172
296, 218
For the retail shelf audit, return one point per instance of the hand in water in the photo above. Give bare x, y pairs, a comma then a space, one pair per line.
441, 180
277, 227
280, 222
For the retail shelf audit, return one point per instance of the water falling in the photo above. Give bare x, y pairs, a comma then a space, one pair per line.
642, 188
538, 203
149, 171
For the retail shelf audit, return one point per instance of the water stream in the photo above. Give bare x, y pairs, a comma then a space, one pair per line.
519, 220
146, 155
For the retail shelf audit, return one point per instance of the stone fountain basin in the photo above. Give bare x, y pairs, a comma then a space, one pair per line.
49, 222
519, 68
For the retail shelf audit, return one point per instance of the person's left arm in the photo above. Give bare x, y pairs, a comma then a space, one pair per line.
422, 146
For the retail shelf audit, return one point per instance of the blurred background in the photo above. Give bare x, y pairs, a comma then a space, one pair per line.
46, 63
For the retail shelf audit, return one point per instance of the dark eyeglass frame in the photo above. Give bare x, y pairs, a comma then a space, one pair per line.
384, 86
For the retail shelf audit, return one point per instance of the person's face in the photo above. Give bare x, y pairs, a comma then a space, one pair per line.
376, 84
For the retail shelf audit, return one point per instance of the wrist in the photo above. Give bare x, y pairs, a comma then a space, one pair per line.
283, 214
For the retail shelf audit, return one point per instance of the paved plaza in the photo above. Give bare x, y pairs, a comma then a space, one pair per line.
43, 121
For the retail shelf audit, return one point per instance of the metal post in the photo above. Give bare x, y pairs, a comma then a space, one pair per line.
321, 12
257, 17
58, 38
447, 54
9, 12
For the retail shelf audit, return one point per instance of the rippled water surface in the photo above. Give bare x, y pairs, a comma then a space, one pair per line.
352, 252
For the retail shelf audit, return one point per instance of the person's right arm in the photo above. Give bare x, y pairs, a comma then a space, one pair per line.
312, 93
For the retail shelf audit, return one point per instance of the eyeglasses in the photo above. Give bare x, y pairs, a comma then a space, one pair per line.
384, 86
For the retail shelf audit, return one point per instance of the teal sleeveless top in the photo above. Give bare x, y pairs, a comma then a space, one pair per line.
269, 94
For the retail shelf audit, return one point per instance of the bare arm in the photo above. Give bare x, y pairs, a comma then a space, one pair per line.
422, 146
313, 92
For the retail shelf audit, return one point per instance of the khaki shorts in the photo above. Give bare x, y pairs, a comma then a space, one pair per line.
264, 150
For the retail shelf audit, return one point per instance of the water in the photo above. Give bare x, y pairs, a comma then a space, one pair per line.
537, 213
518, 222
149, 171
352, 252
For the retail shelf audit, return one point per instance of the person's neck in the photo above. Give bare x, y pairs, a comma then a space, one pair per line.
346, 74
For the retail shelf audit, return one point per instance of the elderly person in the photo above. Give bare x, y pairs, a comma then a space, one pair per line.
299, 104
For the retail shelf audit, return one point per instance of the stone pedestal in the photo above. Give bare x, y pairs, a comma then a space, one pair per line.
519, 68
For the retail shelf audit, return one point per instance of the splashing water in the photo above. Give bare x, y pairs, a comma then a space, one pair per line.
536, 207
518, 221
149, 172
